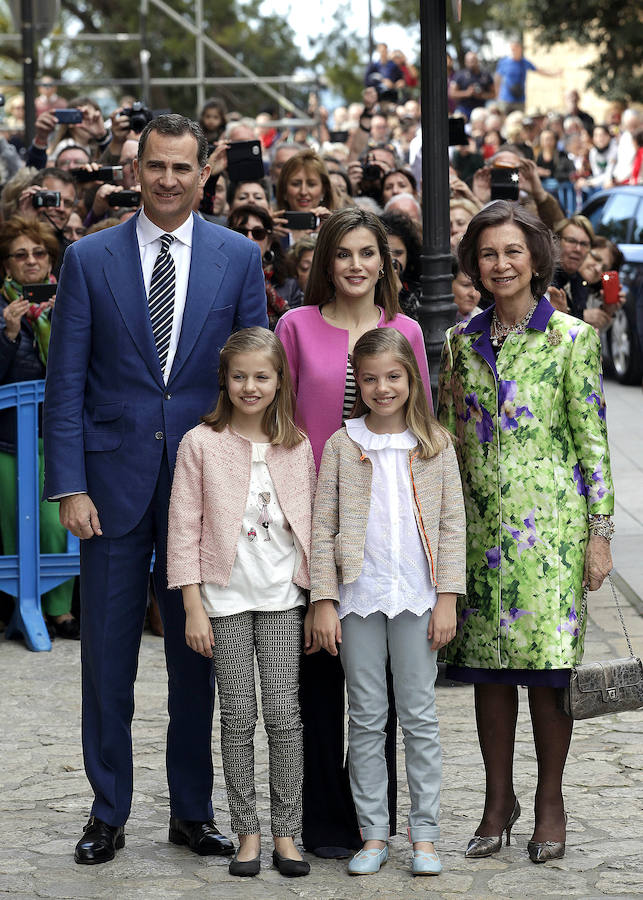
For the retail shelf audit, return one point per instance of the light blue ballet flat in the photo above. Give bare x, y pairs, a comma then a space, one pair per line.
368, 862
424, 863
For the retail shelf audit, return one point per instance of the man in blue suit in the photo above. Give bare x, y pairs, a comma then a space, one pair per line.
142, 311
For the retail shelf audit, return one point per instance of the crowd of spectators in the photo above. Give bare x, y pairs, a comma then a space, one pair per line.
77, 177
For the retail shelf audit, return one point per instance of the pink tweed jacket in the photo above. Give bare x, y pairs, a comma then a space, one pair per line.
209, 496
341, 513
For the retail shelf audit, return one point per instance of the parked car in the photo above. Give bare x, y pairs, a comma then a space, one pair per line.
617, 214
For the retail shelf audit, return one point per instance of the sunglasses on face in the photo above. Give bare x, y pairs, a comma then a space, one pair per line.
23, 255
257, 233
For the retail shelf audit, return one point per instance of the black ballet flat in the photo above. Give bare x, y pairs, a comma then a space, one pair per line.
291, 868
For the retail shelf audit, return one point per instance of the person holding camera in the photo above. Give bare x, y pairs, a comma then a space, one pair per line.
90, 131
112, 188
304, 188
527, 190
28, 250
603, 257
367, 174
50, 198
577, 269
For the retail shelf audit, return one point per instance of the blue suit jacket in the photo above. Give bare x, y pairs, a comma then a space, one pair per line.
108, 415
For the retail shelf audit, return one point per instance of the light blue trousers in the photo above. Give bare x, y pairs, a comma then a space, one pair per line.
366, 644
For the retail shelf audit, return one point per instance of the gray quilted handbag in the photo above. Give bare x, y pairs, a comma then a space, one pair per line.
599, 688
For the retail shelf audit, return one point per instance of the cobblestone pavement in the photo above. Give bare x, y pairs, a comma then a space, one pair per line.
44, 799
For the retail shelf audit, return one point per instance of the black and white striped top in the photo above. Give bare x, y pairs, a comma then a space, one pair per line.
350, 391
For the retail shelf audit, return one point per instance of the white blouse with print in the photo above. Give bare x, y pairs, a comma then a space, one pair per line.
267, 557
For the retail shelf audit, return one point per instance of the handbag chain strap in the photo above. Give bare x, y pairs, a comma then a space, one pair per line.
583, 610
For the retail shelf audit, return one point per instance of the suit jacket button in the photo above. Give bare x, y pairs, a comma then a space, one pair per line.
167, 396
159, 435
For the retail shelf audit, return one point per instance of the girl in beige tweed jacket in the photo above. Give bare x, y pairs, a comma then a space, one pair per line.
387, 561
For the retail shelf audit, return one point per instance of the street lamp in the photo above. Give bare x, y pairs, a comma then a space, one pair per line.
437, 310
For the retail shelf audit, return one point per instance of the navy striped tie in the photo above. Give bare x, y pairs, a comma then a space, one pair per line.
161, 299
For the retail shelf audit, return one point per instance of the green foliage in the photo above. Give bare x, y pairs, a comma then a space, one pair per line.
10, 54
479, 19
264, 43
340, 57
615, 28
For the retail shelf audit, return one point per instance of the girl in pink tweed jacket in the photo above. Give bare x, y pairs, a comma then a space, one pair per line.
388, 560
239, 547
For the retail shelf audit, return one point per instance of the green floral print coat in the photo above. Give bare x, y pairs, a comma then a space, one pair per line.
531, 440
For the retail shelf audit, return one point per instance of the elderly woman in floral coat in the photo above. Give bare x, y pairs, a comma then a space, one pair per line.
521, 389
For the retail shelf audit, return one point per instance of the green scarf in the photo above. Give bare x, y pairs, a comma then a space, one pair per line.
38, 318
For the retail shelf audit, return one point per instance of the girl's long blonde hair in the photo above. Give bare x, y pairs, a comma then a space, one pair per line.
431, 436
278, 419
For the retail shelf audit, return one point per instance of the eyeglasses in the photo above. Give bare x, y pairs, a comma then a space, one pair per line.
257, 233
23, 255
573, 242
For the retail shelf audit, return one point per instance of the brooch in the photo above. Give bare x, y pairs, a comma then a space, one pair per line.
554, 338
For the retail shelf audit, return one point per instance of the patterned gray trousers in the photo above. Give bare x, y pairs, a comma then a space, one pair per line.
277, 639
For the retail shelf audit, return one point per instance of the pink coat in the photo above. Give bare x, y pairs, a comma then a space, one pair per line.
317, 353
209, 497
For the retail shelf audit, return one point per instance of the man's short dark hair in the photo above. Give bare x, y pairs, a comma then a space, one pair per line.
53, 172
173, 125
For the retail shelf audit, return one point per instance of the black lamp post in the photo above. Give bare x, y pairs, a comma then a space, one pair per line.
28, 68
437, 310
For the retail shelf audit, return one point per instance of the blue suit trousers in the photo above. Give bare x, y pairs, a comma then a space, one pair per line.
114, 578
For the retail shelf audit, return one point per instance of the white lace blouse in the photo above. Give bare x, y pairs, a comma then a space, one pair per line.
395, 573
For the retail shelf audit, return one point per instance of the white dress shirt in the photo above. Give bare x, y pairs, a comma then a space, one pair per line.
148, 236
395, 573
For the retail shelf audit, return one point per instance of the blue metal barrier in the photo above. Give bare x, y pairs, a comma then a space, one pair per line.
31, 573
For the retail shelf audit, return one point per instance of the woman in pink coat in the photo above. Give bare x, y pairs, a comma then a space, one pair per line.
351, 289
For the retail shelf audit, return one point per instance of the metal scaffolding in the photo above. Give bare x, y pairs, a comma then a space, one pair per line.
203, 42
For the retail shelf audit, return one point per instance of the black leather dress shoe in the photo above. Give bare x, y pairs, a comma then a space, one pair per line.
203, 838
99, 842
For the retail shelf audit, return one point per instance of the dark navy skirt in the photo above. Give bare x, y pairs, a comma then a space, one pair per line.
556, 678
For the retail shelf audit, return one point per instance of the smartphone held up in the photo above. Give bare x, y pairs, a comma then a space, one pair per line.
611, 288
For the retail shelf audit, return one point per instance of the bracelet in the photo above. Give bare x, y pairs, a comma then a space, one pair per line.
601, 526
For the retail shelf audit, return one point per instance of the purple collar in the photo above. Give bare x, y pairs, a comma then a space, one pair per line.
482, 323
542, 314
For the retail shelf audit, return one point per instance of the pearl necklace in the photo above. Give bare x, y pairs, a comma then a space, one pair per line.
499, 331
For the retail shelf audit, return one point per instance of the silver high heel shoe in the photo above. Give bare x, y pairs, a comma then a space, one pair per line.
542, 851
484, 846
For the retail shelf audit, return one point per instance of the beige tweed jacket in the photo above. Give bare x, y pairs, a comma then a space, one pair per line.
342, 504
